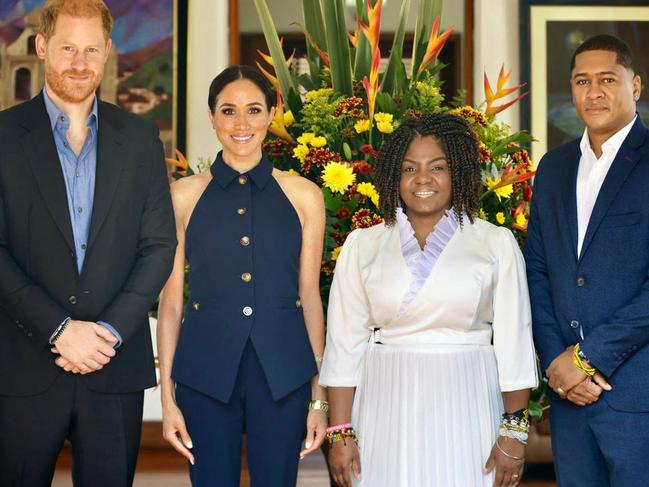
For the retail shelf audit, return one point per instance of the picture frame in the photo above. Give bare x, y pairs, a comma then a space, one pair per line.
143, 73
550, 33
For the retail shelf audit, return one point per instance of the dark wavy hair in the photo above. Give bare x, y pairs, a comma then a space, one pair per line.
461, 147
234, 73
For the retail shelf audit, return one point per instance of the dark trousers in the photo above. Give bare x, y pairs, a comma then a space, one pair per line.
103, 430
274, 430
597, 446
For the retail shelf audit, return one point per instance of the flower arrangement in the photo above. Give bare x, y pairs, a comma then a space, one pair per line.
331, 133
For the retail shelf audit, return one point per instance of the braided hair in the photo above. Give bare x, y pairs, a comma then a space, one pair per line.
460, 145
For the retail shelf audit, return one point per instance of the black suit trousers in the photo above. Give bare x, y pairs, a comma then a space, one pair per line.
103, 430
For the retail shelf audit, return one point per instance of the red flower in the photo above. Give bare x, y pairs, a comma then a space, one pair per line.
363, 218
368, 149
346, 105
319, 156
485, 153
361, 167
343, 213
527, 192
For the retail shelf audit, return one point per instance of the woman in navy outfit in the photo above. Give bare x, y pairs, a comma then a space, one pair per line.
244, 359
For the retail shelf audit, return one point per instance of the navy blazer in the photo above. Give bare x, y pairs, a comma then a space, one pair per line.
606, 289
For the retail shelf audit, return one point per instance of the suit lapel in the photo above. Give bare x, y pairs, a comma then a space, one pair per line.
45, 164
569, 192
623, 164
110, 162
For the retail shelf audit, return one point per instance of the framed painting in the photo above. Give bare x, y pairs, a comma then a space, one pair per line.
553, 31
141, 72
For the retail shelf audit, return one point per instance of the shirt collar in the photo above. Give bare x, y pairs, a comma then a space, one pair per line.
612, 144
224, 174
57, 115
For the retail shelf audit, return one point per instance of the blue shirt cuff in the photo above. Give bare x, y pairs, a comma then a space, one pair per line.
113, 331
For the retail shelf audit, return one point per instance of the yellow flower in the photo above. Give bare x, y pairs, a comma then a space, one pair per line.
338, 177
293, 172
521, 221
305, 138
335, 252
383, 117
366, 189
362, 125
322, 93
300, 152
500, 218
375, 199
501, 191
289, 119
318, 141
385, 127
482, 215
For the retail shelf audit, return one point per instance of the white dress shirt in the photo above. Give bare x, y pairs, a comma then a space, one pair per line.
591, 174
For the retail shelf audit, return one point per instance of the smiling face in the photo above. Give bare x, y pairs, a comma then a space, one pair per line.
240, 120
74, 57
425, 185
604, 93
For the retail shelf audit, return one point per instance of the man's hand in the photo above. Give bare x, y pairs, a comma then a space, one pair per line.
84, 347
564, 376
588, 391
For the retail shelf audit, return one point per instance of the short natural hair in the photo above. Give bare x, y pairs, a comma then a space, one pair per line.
605, 42
461, 147
75, 8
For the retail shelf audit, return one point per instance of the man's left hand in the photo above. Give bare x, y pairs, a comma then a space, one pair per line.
562, 373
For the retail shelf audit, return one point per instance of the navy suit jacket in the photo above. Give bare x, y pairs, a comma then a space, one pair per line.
606, 289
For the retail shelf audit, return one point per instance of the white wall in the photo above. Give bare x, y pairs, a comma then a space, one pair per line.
285, 12
207, 55
496, 41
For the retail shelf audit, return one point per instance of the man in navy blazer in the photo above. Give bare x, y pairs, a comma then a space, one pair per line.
87, 239
587, 255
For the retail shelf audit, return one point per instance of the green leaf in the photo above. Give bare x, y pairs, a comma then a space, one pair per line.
315, 26
428, 11
385, 103
338, 45
389, 84
294, 101
333, 201
270, 33
363, 57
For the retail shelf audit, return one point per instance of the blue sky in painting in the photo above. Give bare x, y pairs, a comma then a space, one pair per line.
138, 23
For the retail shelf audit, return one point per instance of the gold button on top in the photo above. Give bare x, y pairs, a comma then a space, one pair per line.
241, 211
298, 303
246, 277
245, 240
243, 179
196, 305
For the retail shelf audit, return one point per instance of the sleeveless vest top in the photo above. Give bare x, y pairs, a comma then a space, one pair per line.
243, 246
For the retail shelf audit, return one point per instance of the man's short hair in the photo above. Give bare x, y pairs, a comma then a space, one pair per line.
605, 42
75, 8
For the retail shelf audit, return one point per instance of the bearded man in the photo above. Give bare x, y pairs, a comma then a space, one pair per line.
87, 240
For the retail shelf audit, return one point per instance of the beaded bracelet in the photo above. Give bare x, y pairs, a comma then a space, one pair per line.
520, 436
336, 427
577, 360
341, 435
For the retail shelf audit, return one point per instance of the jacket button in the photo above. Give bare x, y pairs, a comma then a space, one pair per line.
298, 303
245, 240
196, 305
246, 277
574, 324
247, 311
20, 325
72, 299
241, 211
581, 281
243, 179
29, 334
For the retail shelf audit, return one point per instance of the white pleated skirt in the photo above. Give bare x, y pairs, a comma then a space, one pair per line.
427, 415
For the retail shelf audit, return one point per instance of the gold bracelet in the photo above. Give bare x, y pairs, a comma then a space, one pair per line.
513, 457
576, 359
318, 405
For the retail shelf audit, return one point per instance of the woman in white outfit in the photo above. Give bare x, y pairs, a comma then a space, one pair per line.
429, 331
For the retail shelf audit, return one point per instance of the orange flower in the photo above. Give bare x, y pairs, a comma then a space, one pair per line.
520, 217
277, 126
273, 79
372, 85
354, 38
435, 45
501, 92
320, 52
373, 30
177, 166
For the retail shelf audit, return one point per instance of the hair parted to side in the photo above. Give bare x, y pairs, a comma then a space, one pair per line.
605, 42
75, 8
237, 72
461, 147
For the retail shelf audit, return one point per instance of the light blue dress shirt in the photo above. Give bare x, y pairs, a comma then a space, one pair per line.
79, 176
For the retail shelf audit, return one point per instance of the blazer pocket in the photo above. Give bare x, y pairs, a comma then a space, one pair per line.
623, 220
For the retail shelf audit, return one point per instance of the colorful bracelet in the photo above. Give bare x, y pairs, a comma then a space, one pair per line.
577, 360
336, 427
520, 436
341, 435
